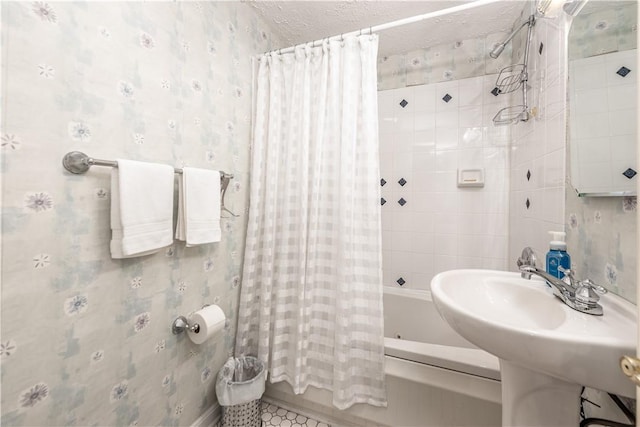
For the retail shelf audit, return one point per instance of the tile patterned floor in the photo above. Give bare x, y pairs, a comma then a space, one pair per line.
274, 416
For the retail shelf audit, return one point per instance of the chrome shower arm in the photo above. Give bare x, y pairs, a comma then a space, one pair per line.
495, 52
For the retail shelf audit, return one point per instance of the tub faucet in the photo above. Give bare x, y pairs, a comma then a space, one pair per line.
579, 295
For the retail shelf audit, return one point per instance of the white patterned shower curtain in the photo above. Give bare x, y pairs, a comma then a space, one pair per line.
311, 298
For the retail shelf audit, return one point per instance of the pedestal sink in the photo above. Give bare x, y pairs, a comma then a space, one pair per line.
547, 350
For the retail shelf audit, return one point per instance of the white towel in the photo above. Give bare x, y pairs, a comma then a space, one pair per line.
199, 206
141, 208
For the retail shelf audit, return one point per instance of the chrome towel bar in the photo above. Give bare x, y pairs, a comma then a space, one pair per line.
78, 162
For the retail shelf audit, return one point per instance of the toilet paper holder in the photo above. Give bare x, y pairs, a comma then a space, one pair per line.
181, 324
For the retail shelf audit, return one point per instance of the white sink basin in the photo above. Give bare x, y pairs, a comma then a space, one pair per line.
532, 331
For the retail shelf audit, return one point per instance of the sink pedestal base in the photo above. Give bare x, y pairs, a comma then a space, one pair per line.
532, 398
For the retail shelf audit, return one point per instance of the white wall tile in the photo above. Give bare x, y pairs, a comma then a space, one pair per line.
469, 137
470, 116
446, 160
401, 241
444, 263
425, 98
424, 140
424, 121
421, 222
445, 223
446, 138
472, 224
470, 91
422, 243
442, 226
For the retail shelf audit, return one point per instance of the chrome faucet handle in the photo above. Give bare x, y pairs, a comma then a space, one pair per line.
527, 258
599, 289
569, 275
588, 293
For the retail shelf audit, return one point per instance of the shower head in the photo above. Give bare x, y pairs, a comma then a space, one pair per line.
497, 50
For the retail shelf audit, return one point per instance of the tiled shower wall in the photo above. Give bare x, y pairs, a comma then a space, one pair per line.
430, 225
538, 146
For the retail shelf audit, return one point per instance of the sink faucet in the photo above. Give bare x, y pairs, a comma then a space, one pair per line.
579, 295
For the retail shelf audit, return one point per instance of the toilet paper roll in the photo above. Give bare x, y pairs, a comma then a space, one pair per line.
211, 320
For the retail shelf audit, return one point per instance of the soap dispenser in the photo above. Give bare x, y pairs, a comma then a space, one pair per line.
557, 255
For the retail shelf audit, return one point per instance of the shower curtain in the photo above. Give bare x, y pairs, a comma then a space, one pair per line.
311, 296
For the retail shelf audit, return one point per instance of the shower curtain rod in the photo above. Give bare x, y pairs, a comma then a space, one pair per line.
393, 24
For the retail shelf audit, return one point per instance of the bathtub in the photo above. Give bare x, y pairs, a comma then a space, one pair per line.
415, 332
434, 377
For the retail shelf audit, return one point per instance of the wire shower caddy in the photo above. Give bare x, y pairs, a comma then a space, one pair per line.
512, 78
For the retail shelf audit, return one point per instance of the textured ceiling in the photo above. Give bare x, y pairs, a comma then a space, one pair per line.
298, 22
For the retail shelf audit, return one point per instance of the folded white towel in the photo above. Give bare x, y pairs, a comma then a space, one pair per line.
199, 206
141, 208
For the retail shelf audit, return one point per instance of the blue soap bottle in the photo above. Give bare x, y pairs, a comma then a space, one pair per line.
557, 255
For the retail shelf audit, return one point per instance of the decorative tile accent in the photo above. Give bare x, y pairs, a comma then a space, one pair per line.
495, 91
629, 173
527, 203
402, 201
382, 201
403, 103
528, 175
540, 48
447, 98
401, 281
382, 182
623, 71
402, 182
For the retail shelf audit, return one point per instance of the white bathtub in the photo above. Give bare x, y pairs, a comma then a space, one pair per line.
415, 332
434, 378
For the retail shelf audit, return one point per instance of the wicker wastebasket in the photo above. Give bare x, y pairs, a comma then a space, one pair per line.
239, 387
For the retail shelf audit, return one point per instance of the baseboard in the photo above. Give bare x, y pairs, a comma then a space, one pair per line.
210, 418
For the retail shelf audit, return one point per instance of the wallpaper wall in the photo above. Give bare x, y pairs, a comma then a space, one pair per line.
603, 28
86, 339
601, 232
452, 61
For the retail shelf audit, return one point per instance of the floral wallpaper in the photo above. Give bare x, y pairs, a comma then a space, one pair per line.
601, 235
454, 61
86, 339
603, 27
601, 232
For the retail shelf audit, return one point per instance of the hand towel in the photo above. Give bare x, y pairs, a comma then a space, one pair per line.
199, 206
141, 208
